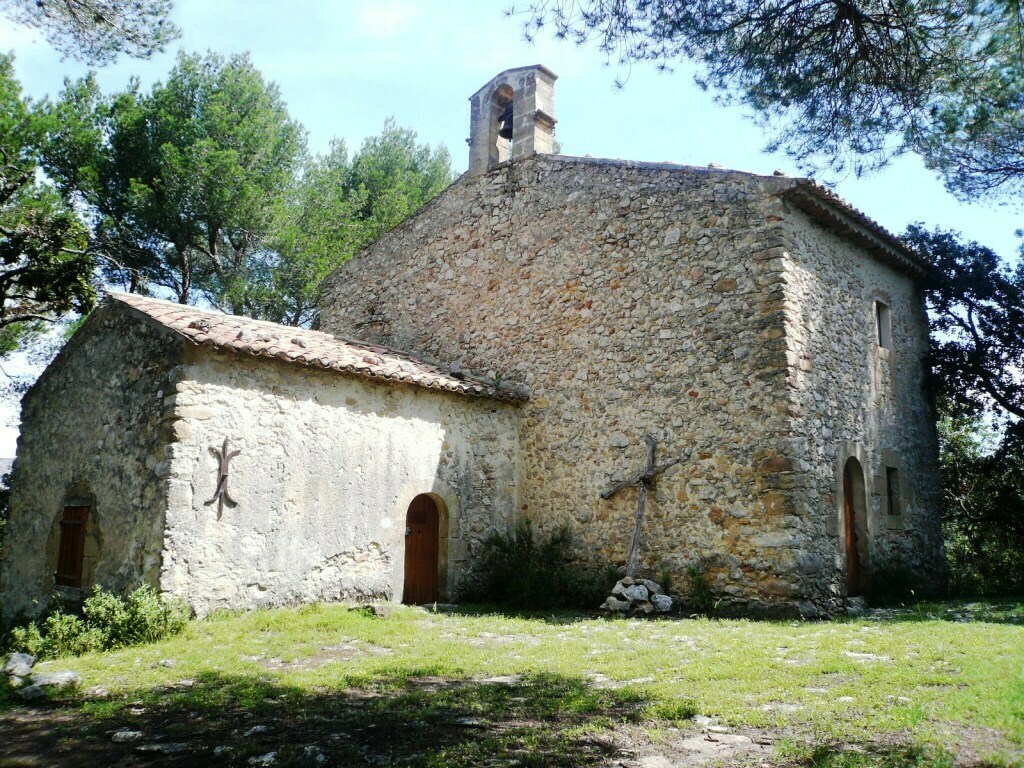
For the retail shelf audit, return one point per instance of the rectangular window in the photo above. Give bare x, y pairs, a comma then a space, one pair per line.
72, 546
892, 490
883, 321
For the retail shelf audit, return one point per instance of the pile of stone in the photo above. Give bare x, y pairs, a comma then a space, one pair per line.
637, 597
18, 667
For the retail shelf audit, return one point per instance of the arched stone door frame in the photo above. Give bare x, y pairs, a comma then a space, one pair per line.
446, 502
852, 518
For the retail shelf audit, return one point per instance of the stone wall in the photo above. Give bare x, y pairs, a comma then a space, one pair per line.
93, 432
631, 299
851, 397
328, 466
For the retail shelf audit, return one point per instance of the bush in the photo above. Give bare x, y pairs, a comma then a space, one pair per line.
523, 571
983, 505
702, 599
5, 504
894, 585
106, 621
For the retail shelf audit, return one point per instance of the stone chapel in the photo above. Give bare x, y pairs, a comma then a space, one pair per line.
505, 353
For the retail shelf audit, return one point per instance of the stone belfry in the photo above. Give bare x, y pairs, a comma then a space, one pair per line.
512, 117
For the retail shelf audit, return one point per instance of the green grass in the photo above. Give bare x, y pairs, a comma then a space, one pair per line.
916, 688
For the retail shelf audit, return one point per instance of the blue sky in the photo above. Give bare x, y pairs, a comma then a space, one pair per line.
344, 67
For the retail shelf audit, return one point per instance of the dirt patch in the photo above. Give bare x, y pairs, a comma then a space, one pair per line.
328, 654
693, 746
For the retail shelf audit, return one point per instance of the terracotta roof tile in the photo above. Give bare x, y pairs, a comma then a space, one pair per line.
305, 347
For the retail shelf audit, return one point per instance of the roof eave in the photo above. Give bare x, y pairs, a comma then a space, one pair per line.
855, 226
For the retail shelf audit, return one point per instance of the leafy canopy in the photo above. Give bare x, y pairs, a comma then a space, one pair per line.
203, 187
976, 312
840, 82
182, 181
98, 31
336, 208
45, 271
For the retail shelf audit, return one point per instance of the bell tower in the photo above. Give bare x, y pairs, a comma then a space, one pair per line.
512, 117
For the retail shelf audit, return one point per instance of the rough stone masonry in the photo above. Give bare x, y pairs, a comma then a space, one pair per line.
756, 325
723, 312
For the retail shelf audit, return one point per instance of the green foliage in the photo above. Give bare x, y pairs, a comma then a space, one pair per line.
392, 177
5, 504
839, 82
522, 570
702, 599
203, 186
44, 269
106, 621
182, 182
336, 208
983, 505
98, 31
976, 312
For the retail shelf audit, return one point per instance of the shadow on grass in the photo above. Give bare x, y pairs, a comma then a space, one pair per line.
410, 719
989, 611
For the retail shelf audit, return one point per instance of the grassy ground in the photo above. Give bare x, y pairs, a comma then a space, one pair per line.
325, 685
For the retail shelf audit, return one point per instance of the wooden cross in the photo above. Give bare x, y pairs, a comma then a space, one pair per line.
643, 481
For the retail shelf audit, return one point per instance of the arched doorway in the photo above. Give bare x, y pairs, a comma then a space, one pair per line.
854, 525
422, 526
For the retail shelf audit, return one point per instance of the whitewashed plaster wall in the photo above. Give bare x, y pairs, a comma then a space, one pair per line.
328, 466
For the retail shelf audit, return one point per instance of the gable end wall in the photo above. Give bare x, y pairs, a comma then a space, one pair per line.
630, 300
94, 431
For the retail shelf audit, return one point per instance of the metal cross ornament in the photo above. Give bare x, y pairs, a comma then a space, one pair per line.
643, 481
222, 478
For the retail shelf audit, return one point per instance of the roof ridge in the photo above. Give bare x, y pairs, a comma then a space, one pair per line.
304, 346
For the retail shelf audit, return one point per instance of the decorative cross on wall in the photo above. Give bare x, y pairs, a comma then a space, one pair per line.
222, 478
643, 481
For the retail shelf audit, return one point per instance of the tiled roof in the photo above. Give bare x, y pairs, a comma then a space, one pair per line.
304, 347
828, 208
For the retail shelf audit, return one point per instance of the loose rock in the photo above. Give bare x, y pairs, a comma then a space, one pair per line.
642, 597
662, 603
19, 664
58, 680
121, 737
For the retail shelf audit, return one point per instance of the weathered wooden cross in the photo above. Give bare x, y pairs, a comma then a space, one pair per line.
643, 481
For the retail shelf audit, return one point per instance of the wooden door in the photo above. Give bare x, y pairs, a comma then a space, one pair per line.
421, 550
71, 549
852, 558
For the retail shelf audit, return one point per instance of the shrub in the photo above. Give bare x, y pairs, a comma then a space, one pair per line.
525, 571
106, 621
5, 504
892, 585
702, 599
983, 505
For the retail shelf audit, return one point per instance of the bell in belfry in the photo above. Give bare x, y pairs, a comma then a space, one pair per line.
505, 122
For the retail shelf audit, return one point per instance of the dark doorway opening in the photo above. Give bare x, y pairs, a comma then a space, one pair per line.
854, 525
